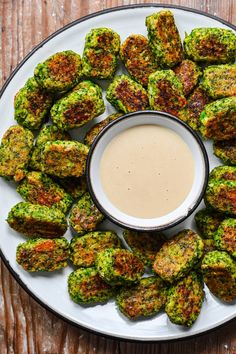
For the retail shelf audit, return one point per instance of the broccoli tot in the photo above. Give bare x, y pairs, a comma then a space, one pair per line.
184, 300
165, 92
211, 45
143, 299
118, 266
60, 72
103, 38
188, 73
145, 245
221, 195
47, 133
32, 105
43, 254
138, 58
85, 286
220, 80
207, 222
99, 63
37, 220
219, 274
84, 215
15, 149
221, 190
164, 38
178, 256
226, 151
78, 107
227, 173
38, 188
85, 249
100, 54
127, 95
218, 120
64, 158
195, 105
97, 128
225, 236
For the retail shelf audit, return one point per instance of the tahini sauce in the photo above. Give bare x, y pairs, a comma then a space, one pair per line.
147, 171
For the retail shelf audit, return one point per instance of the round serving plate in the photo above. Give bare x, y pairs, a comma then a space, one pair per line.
50, 290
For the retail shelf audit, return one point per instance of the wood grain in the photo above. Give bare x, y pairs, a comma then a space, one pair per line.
26, 327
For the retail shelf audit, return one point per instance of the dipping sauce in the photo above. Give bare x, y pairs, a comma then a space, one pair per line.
147, 171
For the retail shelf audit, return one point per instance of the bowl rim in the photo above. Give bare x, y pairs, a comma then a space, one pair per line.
148, 228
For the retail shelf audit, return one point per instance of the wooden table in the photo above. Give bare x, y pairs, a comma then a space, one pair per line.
26, 327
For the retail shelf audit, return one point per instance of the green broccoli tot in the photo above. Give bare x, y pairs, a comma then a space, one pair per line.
85, 286
60, 72
43, 254
35, 220
143, 299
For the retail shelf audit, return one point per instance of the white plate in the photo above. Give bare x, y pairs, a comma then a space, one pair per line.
51, 289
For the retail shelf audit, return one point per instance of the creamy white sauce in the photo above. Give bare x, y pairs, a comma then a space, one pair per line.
147, 171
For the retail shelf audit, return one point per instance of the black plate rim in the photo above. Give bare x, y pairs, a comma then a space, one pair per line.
37, 47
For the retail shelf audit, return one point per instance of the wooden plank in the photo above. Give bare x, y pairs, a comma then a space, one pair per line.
25, 327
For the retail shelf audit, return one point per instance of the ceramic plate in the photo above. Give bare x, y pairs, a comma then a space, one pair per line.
51, 289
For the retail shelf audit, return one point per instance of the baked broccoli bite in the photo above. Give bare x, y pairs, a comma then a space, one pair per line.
211, 45
144, 245
184, 300
194, 107
43, 254
219, 274
85, 286
221, 195
127, 95
225, 236
32, 105
97, 128
218, 120
103, 38
84, 215
164, 38
220, 80
47, 133
226, 151
84, 249
37, 220
99, 63
207, 222
138, 58
78, 107
143, 299
178, 256
51, 133
101, 53
227, 173
188, 73
76, 187
38, 188
165, 92
64, 158
118, 266
15, 148
60, 72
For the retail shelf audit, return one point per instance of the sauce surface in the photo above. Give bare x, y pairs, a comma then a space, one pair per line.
147, 171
